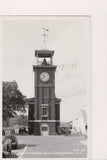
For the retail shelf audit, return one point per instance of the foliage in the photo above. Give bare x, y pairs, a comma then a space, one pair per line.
13, 100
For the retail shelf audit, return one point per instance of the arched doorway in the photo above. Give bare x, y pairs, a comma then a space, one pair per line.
44, 130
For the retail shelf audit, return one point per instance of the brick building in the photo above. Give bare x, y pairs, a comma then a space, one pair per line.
44, 108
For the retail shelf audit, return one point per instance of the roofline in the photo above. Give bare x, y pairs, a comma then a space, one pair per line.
48, 66
47, 53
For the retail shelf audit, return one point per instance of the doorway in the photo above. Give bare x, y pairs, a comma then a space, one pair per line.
44, 130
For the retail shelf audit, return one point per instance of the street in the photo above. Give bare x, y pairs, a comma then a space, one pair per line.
51, 147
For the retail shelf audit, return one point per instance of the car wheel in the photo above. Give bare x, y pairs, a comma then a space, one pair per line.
3, 155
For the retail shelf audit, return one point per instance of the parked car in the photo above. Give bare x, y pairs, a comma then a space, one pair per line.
10, 134
6, 145
64, 131
23, 131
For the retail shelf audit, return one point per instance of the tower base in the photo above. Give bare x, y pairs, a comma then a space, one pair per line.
43, 128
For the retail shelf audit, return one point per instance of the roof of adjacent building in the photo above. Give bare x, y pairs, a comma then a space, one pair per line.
65, 124
31, 99
84, 114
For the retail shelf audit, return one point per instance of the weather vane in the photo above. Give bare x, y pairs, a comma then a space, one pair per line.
45, 30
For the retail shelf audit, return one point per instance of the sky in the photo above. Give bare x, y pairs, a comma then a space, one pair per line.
69, 37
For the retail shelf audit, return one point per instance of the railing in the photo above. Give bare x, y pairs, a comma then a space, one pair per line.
46, 63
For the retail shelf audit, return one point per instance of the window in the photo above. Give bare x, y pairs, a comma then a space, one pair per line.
44, 118
44, 111
44, 128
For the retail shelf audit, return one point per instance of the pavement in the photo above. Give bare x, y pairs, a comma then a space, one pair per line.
73, 146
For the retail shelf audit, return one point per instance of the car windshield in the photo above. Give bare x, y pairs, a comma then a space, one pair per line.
22, 128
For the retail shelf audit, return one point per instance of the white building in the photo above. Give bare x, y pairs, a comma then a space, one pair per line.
80, 122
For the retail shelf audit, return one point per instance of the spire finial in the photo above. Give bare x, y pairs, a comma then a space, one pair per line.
45, 30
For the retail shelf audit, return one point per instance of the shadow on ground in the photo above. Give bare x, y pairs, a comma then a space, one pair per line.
33, 145
21, 146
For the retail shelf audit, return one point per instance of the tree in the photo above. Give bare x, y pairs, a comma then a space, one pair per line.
13, 100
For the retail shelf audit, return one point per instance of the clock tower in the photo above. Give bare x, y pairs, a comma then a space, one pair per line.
44, 108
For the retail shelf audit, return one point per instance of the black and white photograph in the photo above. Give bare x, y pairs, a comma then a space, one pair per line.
46, 86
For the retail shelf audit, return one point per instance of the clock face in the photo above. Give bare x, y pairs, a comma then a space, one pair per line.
44, 76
